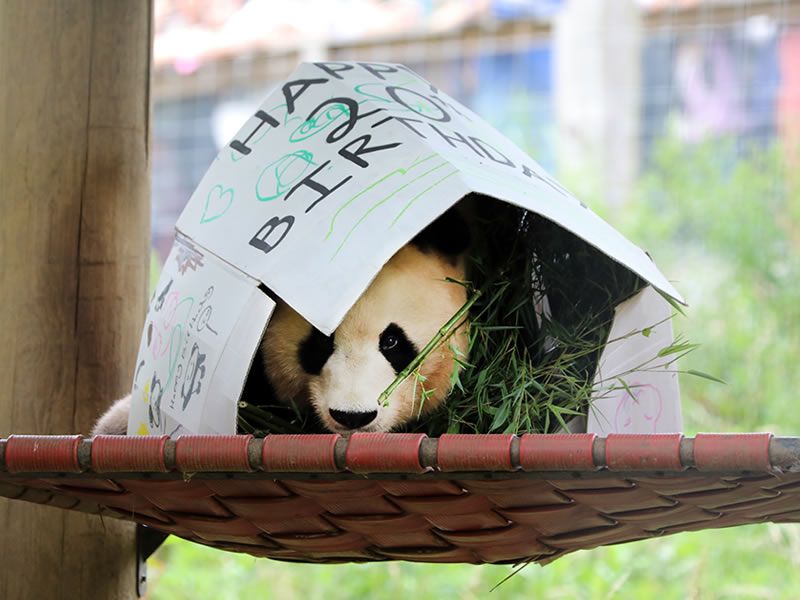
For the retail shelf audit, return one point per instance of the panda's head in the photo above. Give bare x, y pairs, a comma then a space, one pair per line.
343, 375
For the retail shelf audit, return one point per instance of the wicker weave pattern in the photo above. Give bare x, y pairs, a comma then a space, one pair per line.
381, 497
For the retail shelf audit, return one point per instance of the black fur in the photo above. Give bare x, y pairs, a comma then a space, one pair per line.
314, 351
259, 392
396, 347
257, 388
449, 235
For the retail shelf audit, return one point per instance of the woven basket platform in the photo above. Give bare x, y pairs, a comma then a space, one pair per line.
374, 497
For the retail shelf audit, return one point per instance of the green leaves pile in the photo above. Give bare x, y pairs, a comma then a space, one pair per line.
529, 369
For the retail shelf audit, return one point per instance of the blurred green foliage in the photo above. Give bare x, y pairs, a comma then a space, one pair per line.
757, 561
727, 230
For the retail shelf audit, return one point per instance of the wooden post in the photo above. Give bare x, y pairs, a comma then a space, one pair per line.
597, 96
74, 237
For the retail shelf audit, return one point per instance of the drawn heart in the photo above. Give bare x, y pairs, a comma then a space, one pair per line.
218, 202
639, 412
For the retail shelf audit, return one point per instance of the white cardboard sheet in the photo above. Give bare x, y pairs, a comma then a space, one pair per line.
338, 169
345, 163
637, 389
202, 327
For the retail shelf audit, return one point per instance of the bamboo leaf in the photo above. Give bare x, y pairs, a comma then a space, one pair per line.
703, 375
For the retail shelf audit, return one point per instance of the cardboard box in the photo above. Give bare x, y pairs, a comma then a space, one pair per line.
337, 170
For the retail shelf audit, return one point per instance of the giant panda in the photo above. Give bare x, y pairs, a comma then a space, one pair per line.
340, 377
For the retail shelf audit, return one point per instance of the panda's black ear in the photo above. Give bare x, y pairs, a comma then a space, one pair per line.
448, 235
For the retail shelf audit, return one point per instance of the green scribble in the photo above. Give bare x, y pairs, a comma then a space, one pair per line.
189, 299
404, 209
383, 201
418, 196
312, 127
425, 108
173, 357
280, 180
399, 171
358, 90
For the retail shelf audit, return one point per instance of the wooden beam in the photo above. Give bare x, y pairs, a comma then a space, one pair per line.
261, 65
705, 16
74, 245
597, 88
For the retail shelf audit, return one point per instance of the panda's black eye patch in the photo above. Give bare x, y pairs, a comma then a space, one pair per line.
314, 351
396, 347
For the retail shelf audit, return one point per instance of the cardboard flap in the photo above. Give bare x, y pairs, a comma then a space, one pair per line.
225, 388
201, 312
336, 171
344, 164
637, 390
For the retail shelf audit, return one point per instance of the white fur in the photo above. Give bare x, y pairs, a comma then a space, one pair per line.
115, 420
410, 291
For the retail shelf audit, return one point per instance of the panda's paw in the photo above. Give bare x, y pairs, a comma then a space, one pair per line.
115, 420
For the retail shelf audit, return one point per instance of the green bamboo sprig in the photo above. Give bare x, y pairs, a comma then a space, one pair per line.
444, 332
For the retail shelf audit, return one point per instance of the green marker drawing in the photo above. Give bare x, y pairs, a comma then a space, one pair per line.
359, 90
399, 171
218, 201
312, 127
422, 193
173, 356
386, 198
279, 176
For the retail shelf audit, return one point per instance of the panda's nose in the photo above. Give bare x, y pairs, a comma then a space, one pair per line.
353, 420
